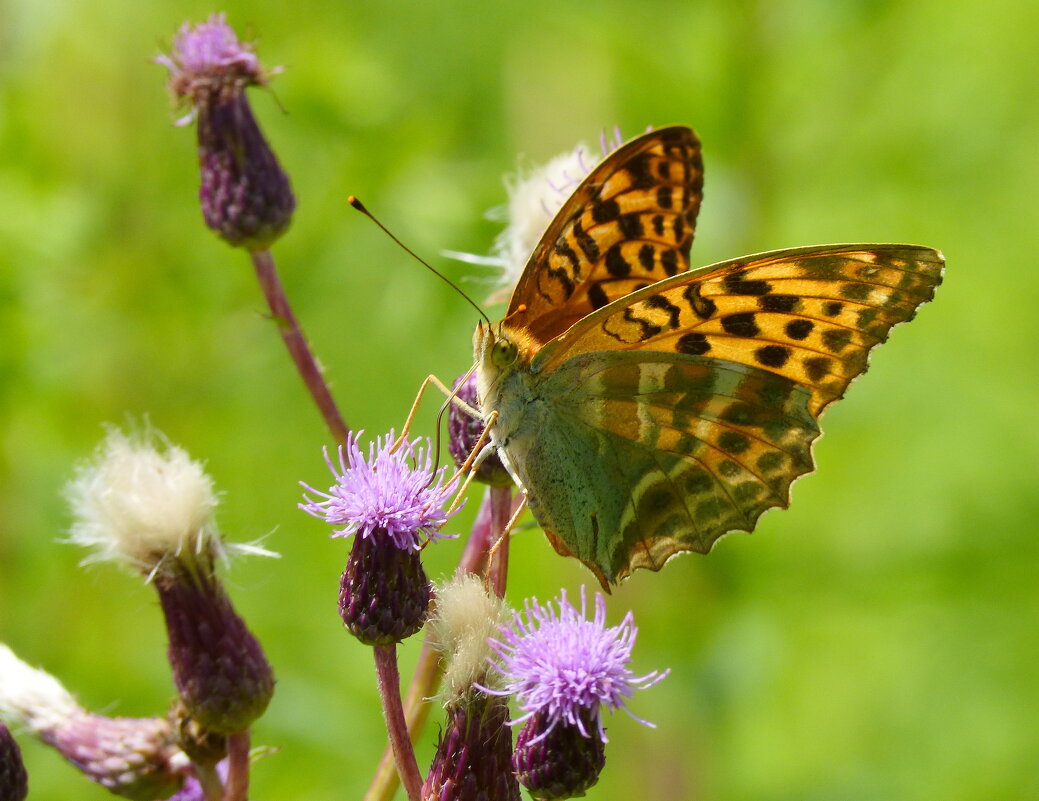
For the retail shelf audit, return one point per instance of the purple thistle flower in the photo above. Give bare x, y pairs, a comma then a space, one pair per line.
245, 195
563, 668
395, 502
393, 492
569, 667
212, 47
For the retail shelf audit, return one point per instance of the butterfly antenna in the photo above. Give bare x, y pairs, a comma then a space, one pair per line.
357, 204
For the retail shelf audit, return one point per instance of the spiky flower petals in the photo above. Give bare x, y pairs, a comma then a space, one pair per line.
209, 58
14, 782
219, 669
473, 756
390, 493
246, 197
464, 432
136, 758
567, 666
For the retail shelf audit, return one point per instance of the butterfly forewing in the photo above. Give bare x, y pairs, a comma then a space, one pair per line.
629, 223
810, 315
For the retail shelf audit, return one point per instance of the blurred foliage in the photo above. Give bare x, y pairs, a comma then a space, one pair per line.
876, 641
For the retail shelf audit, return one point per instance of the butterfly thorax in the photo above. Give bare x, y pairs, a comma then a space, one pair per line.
504, 381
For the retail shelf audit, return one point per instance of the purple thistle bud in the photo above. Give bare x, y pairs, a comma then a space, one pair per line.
464, 432
220, 671
14, 781
474, 752
246, 197
134, 758
563, 669
395, 503
560, 764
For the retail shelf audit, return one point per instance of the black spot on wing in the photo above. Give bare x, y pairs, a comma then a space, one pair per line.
735, 284
647, 257
778, 303
588, 246
772, 355
616, 264
740, 325
605, 210
597, 296
693, 344
799, 329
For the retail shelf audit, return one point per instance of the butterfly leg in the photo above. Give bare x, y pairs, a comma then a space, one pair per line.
481, 450
452, 396
521, 506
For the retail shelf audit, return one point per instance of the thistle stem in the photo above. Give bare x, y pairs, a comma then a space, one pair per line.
292, 335
209, 780
396, 725
428, 671
501, 513
237, 788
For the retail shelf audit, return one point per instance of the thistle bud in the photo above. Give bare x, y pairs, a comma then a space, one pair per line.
146, 503
394, 502
14, 782
135, 758
464, 432
558, 761
473, 760
473, 756
246, 197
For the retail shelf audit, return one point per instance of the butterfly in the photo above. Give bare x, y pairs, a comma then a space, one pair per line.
647, 409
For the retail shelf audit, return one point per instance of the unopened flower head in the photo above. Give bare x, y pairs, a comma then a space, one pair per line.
245, 195
135, 758
464, 432
568, 667
388, 493
144, 501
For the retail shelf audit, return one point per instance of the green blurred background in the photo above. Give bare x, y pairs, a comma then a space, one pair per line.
879, 640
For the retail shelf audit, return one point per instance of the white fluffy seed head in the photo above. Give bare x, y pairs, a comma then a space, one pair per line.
141, 500
32, 698
467, 615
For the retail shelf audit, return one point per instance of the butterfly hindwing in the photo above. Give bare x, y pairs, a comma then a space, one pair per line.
643, 455
628, 224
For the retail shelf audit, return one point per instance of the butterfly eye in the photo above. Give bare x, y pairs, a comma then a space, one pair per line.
503, 354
